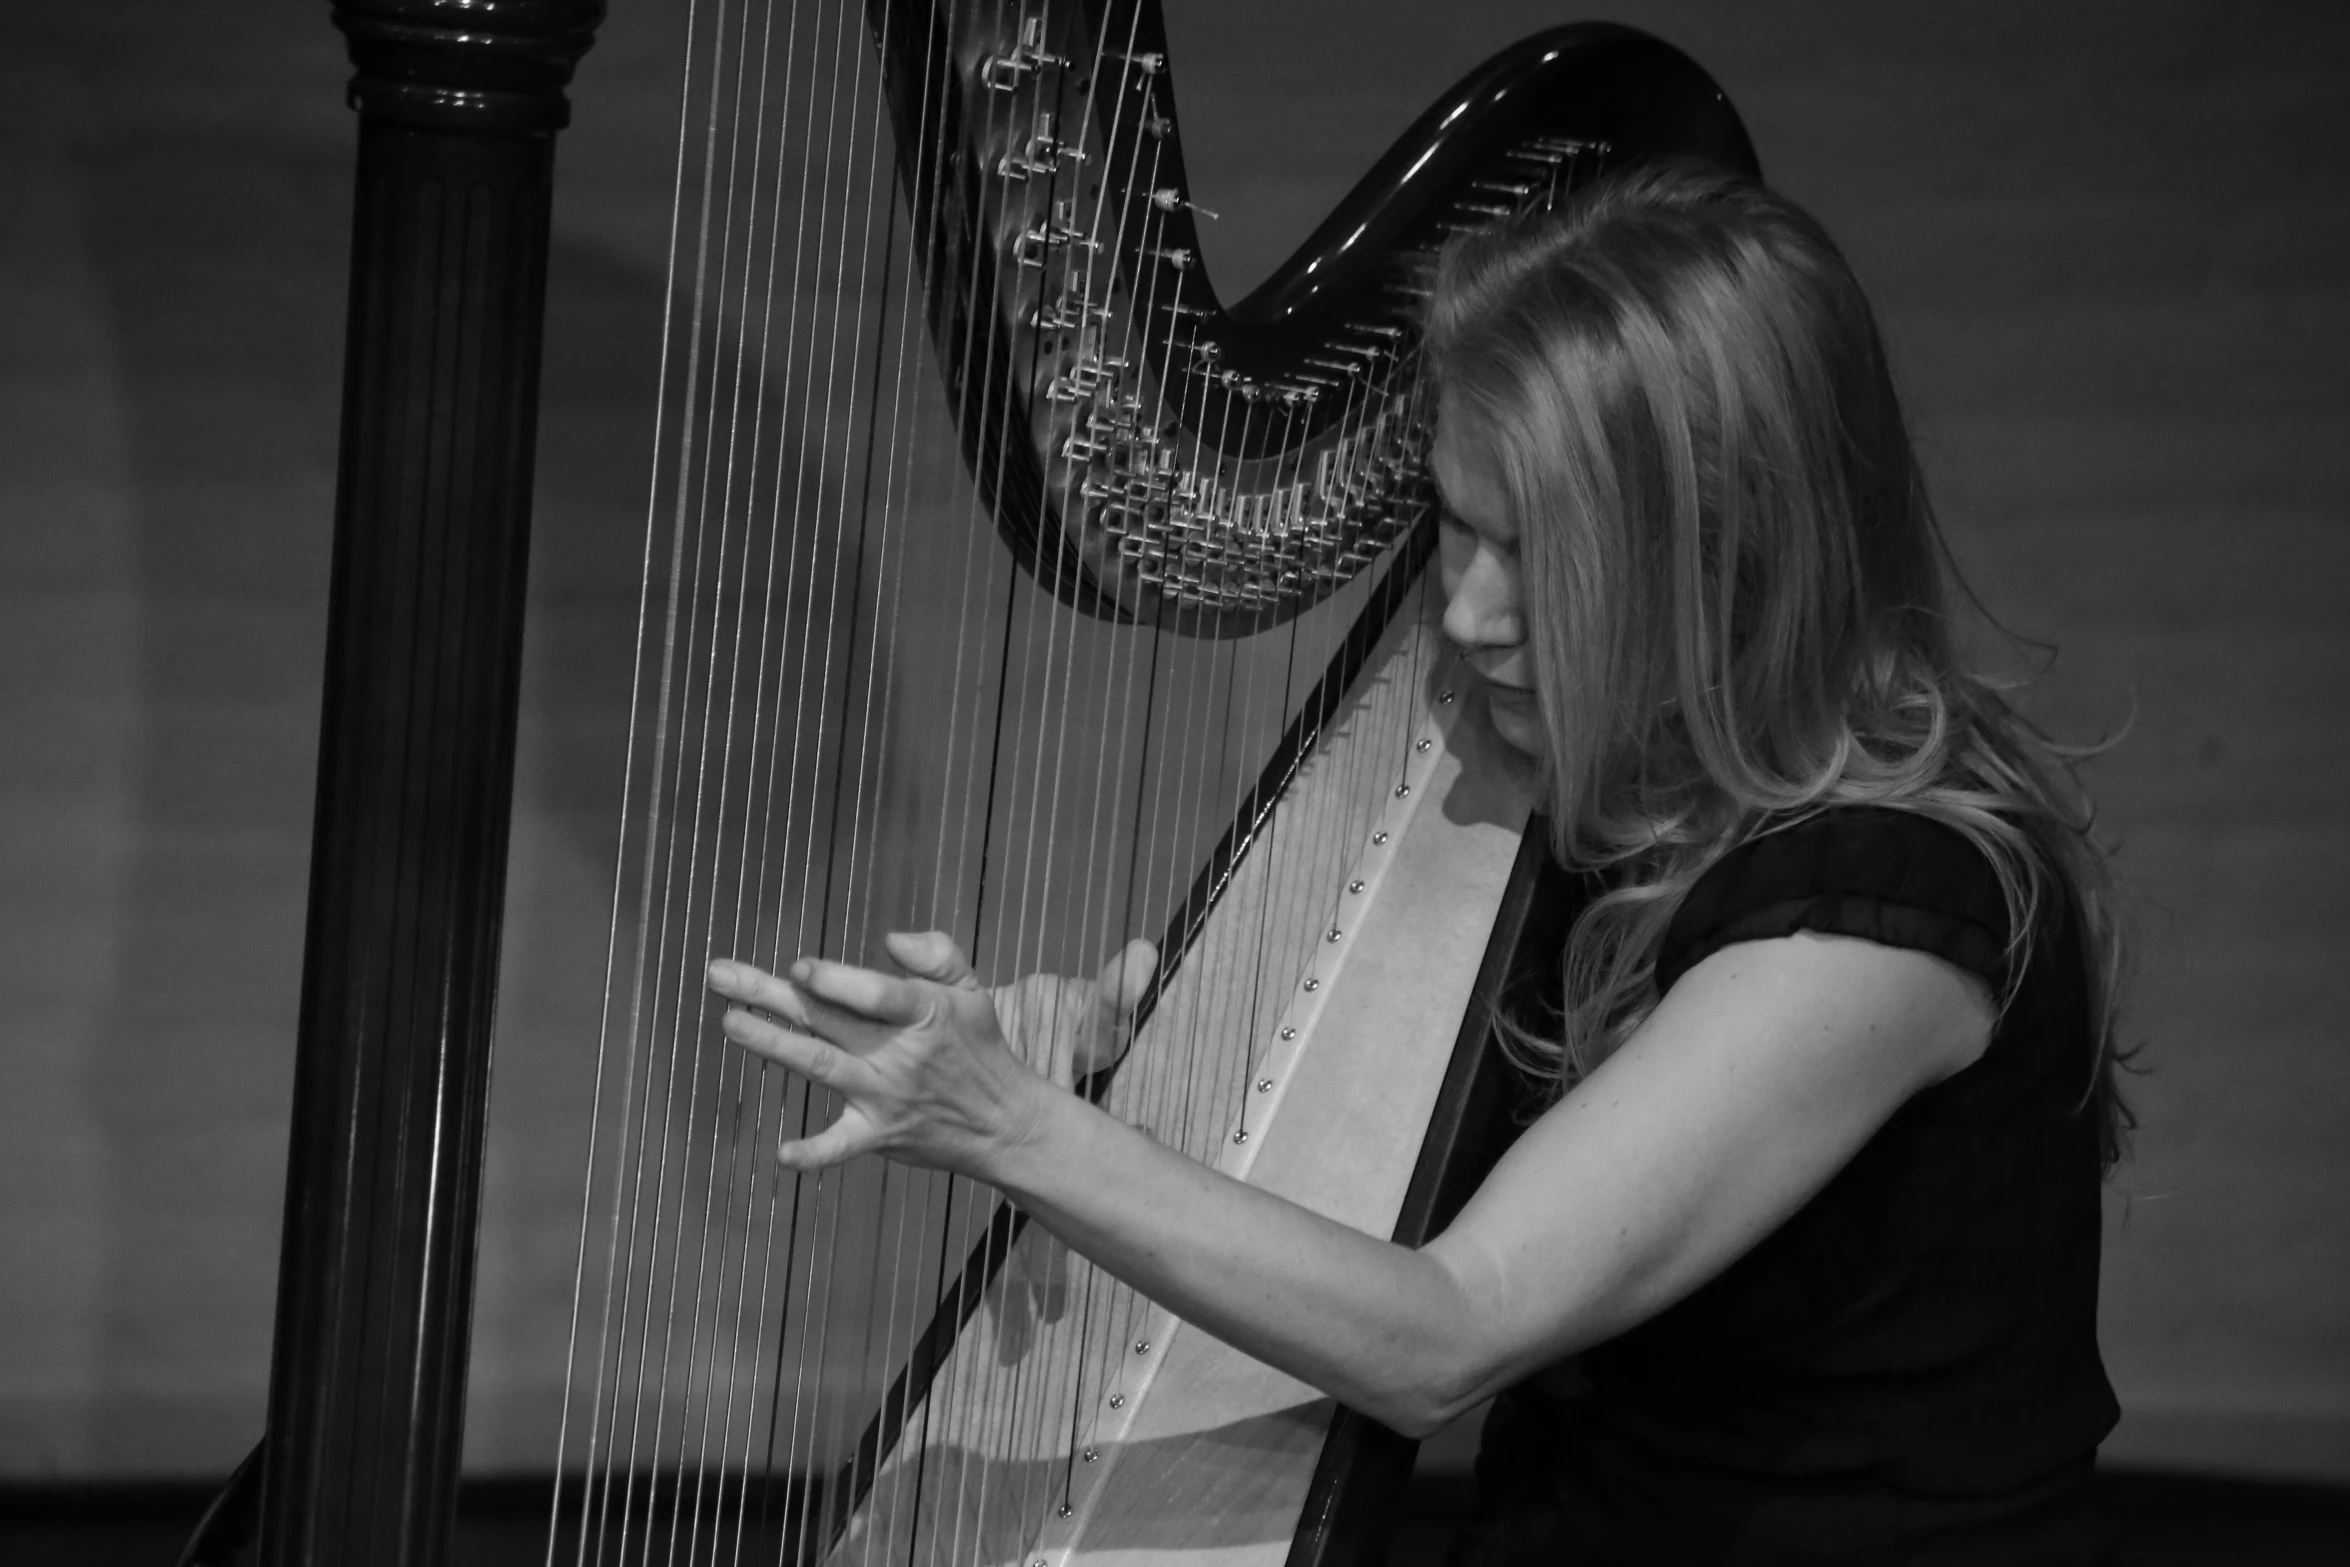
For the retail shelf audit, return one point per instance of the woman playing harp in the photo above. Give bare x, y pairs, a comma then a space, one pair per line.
1830, 1082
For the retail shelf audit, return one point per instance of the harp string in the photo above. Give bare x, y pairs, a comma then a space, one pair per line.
665, 693
1275, 885
703, 490
727, 759
735, 1068
1093, 712
801, 1200
1030, 744
765, 812
1119, 1296
741, 360
1112, 1343
1008, 416
1142, 1083
1071, 500
854, 933
924, 1183
612, 933
1101, 74
663, 945
702, 781
757, 889
955, 1238
1025, 1406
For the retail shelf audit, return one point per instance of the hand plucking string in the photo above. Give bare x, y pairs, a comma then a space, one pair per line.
934, 1069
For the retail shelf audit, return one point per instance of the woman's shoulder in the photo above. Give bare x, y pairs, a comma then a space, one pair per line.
1887, 874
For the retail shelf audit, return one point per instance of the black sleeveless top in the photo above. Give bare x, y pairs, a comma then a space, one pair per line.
1906, 1370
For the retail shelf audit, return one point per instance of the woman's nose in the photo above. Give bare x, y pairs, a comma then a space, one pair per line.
1482, 609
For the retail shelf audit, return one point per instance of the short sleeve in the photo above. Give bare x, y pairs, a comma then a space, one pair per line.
1888, 876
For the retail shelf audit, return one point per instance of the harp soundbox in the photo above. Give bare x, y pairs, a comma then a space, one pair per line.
1000, 578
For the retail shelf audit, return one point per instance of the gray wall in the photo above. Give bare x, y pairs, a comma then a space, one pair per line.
2109, 242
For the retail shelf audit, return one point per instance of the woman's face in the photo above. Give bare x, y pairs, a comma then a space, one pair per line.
1484, 608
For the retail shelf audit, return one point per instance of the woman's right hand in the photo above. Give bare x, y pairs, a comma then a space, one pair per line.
935, 1070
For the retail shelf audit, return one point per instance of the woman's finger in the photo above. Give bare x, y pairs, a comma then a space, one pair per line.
931, 955
838, 1143
1125, 980
860, 992
815, 1059
1128, 978
767, 995
755, 987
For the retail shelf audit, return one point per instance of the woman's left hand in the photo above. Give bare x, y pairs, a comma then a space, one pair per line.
923, 1062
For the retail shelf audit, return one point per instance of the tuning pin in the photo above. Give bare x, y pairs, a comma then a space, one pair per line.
1169, 200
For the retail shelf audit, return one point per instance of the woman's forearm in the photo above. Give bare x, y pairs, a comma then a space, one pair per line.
1381, 1327
1757, 1078
1403, 1336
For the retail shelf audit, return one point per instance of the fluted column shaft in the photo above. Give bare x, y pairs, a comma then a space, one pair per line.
459, 102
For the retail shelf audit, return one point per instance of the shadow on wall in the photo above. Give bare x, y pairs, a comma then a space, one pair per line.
218, 252
216, 246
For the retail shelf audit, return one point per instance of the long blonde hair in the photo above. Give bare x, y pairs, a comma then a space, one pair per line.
1736, 593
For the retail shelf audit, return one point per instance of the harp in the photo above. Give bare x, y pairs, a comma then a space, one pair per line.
1000, 578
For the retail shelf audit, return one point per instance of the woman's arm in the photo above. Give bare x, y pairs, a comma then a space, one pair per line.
1757, 1077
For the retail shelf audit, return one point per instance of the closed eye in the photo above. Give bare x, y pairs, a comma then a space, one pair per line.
1455, 524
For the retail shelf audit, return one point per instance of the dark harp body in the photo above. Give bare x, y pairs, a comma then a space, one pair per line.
459, 104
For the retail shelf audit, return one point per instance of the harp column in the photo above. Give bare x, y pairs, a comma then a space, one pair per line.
459, 102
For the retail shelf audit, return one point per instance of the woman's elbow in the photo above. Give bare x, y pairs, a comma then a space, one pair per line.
1456, 1357
1424, 1405
1419, 1422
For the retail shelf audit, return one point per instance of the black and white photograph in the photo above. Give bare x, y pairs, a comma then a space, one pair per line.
1175, 783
